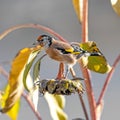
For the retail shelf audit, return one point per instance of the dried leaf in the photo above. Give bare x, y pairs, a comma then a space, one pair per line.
16, 77
116, 6
78, 6
13, 112
96, 63
56, 103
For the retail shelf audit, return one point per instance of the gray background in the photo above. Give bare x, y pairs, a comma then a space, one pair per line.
104, 28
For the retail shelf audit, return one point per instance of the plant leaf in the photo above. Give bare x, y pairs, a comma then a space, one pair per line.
27, 80
56, 104
33, 90
36, 69
28, 66
35, 97
13, 112
16, 77
78, 5
95, 63
116, 6
61, 100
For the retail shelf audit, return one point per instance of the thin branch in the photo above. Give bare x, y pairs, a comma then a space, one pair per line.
36, 26
80, 97
86, 74
89, 92
27, 98
4, 73
85, 21
108, 80
83, 107
60, 74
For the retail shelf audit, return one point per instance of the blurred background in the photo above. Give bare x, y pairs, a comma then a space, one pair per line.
59, 15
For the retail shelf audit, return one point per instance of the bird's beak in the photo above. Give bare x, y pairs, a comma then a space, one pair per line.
36, 43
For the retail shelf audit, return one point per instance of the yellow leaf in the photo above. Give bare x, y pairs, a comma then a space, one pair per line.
96, 63
78, 5
116, 6
13, 112
16, 77
1, 94
56, 104
61, 100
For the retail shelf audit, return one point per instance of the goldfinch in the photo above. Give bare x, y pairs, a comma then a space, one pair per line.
61, 51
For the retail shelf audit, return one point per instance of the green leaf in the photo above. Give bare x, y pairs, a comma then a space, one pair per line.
96, 63
36, 68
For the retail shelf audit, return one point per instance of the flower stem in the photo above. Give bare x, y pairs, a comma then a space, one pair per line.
60, 74
27, 98
86, 74
35, 26
85, 21
84, 108
89, 91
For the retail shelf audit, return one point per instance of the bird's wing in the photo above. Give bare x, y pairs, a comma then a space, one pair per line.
64, 51
64, 48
